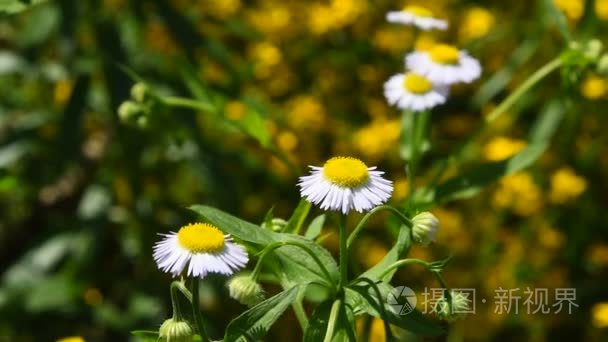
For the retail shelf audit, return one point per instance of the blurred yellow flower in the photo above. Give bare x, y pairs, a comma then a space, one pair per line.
92, 296
264, 55
271, 20
377, 333
376, 330
235, 110
370, 252
62, 92
287, 141
392, 40
594, 87
501, 148
71, 339
600, 315
425, 42
519, 193
220, 8
401, 188
598, 255
375, 139
305, 112
323, 18
566, 186
601, 9
158, 38
573, 9
476, 23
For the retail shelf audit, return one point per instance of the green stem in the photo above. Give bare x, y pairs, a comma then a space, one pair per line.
343, 251
333, 319
524, 87
175, 290
298, 308
371, 213
503, 107
276, 245
175, 101
196, 312
403, 262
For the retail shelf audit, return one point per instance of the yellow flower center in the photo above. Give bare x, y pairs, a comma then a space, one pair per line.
416, 84
346, 172
418, 11
201, 238
444, 54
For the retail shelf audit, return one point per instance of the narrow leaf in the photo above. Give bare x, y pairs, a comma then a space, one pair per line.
254, 323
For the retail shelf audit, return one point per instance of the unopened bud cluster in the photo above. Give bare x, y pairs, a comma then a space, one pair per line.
136, 111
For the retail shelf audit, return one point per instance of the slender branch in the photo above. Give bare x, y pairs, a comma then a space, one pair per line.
176, 101
524, 87
343, 251
196, 311
372, 212
403, 262
175, 290
382, 311
333, 318
298, 308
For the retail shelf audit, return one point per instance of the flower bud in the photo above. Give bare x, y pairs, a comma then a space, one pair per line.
245, 289
142, 121
593, 49
460, 305
128, 110
602, 65
139, 91
173, 330
276, 224
425, 228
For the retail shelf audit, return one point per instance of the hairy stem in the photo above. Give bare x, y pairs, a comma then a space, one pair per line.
196, 312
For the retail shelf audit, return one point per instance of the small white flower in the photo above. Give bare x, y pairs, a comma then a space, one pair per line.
198, 249
344, 184
417, 16
414, 92
444, 64
425, 227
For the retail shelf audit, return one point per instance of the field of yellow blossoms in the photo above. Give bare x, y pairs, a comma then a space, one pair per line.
122, 121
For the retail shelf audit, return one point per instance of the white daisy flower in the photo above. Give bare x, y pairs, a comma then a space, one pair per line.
417, 16
414, 92
444, 64
345, 183
198, 249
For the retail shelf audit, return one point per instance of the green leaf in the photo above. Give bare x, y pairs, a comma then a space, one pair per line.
297, 218
298, 266
145, 335
364, 299
254, 323
16, 6
394, 254
241, 229
559, 18
315, 227
474, 180
547, 123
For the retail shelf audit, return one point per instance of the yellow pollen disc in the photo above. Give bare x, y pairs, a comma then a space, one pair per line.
444, 54
418, 11
201, 238
416, 84
346, 172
